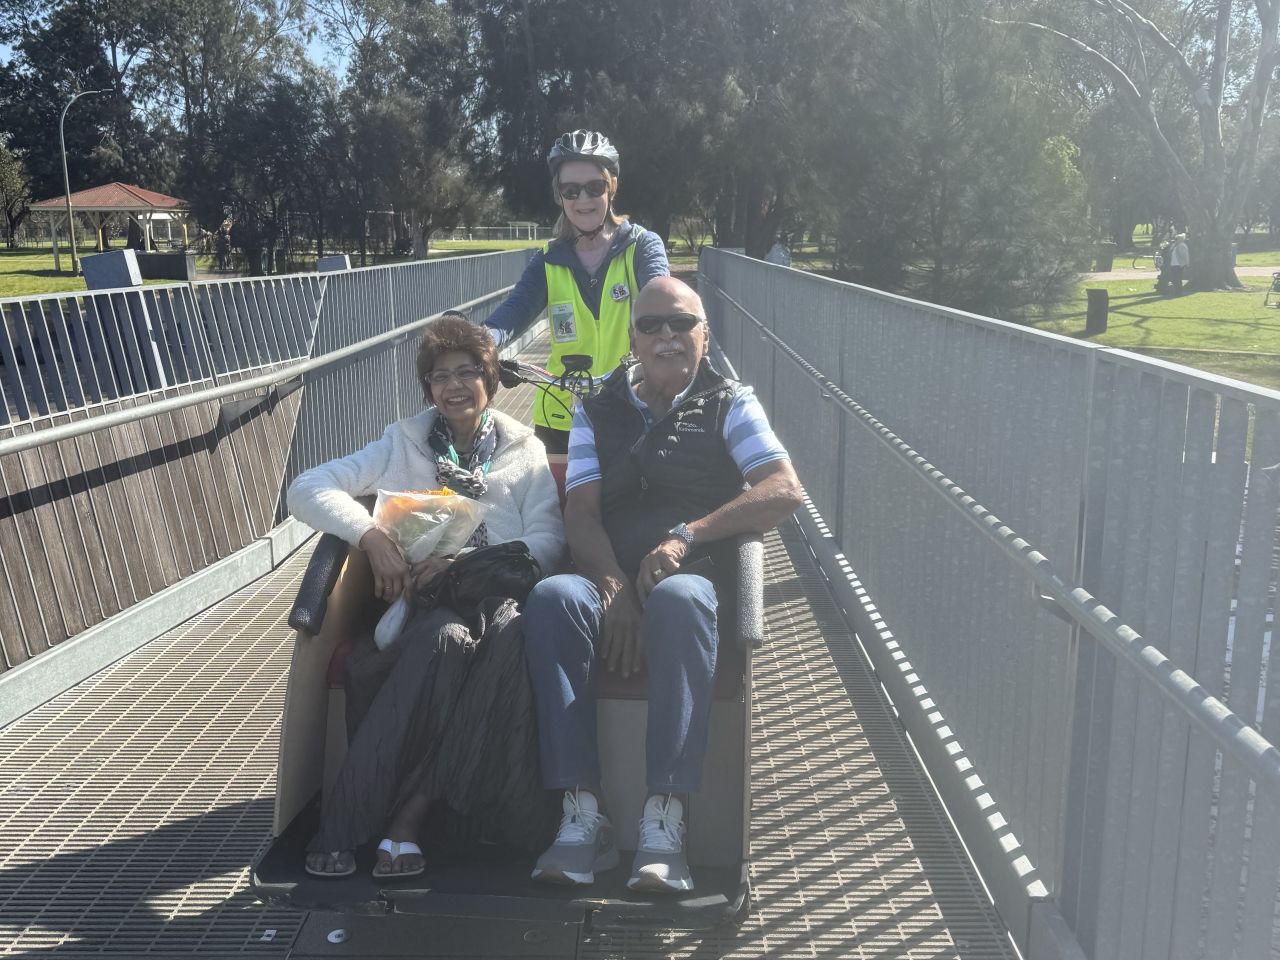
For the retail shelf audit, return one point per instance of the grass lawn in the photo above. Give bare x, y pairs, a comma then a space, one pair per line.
29, 271
1258, 258
1232, 321
455, 247
24, 272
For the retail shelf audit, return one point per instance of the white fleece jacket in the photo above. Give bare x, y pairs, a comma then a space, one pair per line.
522, 499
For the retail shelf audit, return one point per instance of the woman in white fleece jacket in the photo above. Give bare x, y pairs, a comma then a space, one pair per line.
462, 444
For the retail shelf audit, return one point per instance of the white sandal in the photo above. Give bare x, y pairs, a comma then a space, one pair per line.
397, 849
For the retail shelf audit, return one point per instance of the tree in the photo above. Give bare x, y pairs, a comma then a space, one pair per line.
407, 96
1223, 63
209, 57
944, 167
60, 48
15, 192
1263, 205
709, 103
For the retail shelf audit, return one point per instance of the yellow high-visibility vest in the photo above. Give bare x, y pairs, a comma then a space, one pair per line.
573, 329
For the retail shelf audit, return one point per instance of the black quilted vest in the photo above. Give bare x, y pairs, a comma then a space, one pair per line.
677, 471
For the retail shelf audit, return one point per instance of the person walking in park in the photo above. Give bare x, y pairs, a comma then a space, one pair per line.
1179, 260
586, 277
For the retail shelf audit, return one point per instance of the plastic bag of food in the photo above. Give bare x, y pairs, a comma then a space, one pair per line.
422, 523
428, 523
391, 623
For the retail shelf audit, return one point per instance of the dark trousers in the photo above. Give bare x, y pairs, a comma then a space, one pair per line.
1175, 278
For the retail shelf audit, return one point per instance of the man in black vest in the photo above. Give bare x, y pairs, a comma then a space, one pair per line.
667, 460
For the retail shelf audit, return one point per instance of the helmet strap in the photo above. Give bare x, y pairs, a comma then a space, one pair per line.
595, 232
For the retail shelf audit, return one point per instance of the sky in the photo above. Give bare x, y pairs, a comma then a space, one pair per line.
316, 48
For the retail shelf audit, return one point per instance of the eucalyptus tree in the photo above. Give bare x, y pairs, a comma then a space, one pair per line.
1220, 55
408, 85
57, 50
946, 166
15, 192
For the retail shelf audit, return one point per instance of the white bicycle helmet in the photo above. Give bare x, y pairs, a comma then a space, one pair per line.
584, 145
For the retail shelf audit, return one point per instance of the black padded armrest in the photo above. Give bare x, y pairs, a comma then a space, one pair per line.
322, 573
317, 583
750, 592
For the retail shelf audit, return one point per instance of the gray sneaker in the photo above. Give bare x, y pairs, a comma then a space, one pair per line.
661, 865
583, 845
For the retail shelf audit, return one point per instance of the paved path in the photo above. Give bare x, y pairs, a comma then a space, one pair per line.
1129, 273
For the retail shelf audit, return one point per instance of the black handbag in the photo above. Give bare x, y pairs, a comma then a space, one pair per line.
505, 570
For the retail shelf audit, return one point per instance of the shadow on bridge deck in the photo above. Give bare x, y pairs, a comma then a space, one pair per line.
132, 805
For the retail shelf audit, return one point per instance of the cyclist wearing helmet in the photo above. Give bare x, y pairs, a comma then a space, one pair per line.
586, 277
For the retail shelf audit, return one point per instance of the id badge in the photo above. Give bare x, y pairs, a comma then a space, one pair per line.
564, 328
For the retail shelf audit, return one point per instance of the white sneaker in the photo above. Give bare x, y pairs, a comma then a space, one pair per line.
660, 865
583, 845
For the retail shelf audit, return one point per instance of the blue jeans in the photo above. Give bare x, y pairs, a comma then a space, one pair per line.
562, 620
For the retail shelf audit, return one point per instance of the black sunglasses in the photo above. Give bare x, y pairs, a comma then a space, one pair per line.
676, 323
594, 188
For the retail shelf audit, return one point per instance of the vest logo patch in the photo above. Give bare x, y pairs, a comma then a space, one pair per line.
564, 328
620, 293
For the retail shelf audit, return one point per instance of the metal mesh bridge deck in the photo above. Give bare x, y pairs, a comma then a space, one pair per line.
132, 805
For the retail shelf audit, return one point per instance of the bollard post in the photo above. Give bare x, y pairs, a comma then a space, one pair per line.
1096, 318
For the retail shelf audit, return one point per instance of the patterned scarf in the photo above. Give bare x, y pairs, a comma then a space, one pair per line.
469, 478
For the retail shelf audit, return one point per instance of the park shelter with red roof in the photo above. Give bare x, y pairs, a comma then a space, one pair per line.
146, 208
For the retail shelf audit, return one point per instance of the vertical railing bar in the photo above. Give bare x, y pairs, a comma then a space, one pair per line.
11, 387
48, 369
104, 348
81, 353
229, 312
68, 369
215, 334
258, 304
1226, 487
163, 335
33, 377
135, 379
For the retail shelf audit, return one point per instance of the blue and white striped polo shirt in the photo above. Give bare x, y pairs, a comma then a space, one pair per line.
747, 433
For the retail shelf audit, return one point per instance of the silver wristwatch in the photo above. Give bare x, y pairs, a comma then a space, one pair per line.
681, 531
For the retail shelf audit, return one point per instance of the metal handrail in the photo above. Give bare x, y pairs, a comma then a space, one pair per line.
1233, 735
77, 428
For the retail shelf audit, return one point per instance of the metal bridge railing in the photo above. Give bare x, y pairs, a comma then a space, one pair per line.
1094, 693
65, 352
152, 431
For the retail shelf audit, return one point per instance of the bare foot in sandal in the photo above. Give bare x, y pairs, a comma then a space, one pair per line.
339, 863
398, 858
401, 857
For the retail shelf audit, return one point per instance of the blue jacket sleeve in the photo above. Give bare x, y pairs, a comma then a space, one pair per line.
651, 259
524, 302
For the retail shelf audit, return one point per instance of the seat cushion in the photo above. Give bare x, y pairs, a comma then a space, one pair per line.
337, 663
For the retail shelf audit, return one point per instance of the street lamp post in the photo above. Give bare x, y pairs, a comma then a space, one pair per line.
66, 179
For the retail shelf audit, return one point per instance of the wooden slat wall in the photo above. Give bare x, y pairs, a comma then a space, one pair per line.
92, 525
